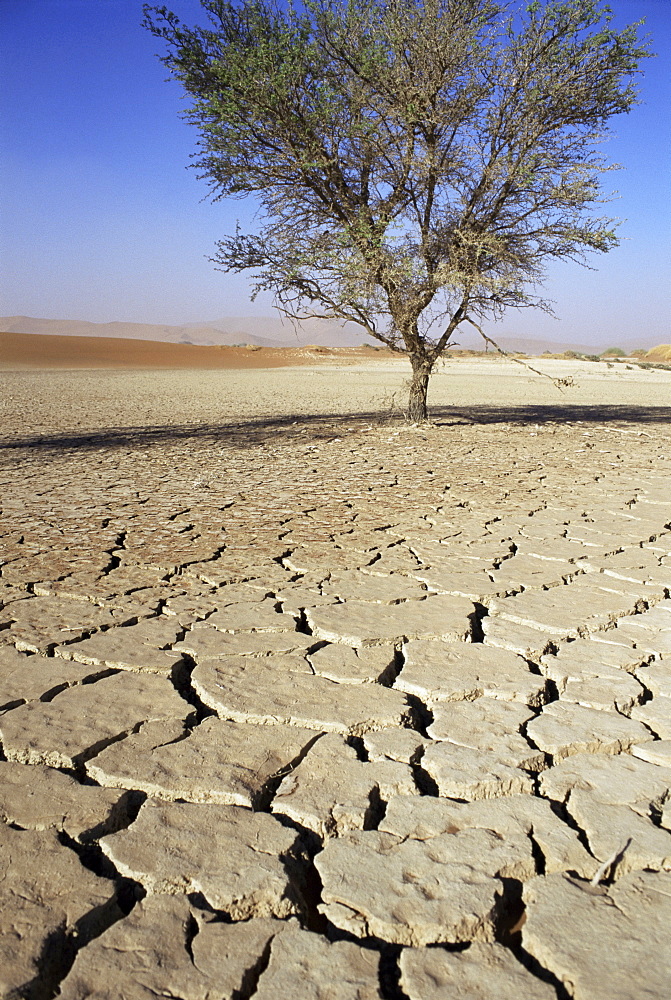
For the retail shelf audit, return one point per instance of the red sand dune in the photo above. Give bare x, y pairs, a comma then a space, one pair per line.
32, 350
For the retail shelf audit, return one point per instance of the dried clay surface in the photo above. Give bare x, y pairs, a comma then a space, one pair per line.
299, 700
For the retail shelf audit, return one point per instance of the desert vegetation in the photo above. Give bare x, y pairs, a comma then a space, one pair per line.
416, 164
613, 352
660, 353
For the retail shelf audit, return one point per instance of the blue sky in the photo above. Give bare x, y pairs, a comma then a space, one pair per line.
101, 220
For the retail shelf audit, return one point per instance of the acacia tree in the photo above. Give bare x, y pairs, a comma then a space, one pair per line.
417, 163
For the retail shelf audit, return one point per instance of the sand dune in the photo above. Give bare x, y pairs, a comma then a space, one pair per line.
30, 350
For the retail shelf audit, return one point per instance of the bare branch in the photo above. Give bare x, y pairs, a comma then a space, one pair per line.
560, 383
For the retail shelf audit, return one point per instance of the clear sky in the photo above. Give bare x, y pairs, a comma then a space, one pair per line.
100, 219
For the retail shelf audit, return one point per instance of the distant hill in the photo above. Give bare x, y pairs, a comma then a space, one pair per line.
534, 347
268, 331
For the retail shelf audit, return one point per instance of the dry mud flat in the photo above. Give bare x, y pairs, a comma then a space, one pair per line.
295, 703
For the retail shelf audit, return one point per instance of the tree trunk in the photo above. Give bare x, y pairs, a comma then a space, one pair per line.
419, 384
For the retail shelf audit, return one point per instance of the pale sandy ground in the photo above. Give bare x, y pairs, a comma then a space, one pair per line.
98, 398
296, 697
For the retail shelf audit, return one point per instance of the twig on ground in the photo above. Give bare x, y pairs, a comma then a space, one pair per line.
608, 863
393, 409
621, 430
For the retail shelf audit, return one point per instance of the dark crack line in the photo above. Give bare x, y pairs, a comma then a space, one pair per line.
263, 799
533, 966
422, 716
389, 976
181, 681
61, 947
252, 975
426, 785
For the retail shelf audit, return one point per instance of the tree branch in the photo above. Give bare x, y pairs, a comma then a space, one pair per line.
560, 383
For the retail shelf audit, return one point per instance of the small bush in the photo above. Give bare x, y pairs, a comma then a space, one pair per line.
639, 353
613, 352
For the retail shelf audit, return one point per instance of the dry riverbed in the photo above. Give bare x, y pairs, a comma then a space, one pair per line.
298, 700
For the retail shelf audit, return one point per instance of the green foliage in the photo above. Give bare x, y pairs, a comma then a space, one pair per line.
613, 352
417, 163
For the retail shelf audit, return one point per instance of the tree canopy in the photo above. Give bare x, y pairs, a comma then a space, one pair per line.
417, 163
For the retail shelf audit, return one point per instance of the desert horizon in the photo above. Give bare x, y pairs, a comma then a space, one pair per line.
34, 350
276, 331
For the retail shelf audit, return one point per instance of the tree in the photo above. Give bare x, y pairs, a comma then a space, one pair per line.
417, 163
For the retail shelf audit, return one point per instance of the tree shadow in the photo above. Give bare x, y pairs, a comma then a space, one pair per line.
248, 433
323, 426
559, 413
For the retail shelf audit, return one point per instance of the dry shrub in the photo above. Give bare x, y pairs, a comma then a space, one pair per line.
252, 347
660, 353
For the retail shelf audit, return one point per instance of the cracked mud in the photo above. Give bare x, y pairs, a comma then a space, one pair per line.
330, 706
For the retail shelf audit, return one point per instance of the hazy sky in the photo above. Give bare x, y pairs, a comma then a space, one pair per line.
101, 220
